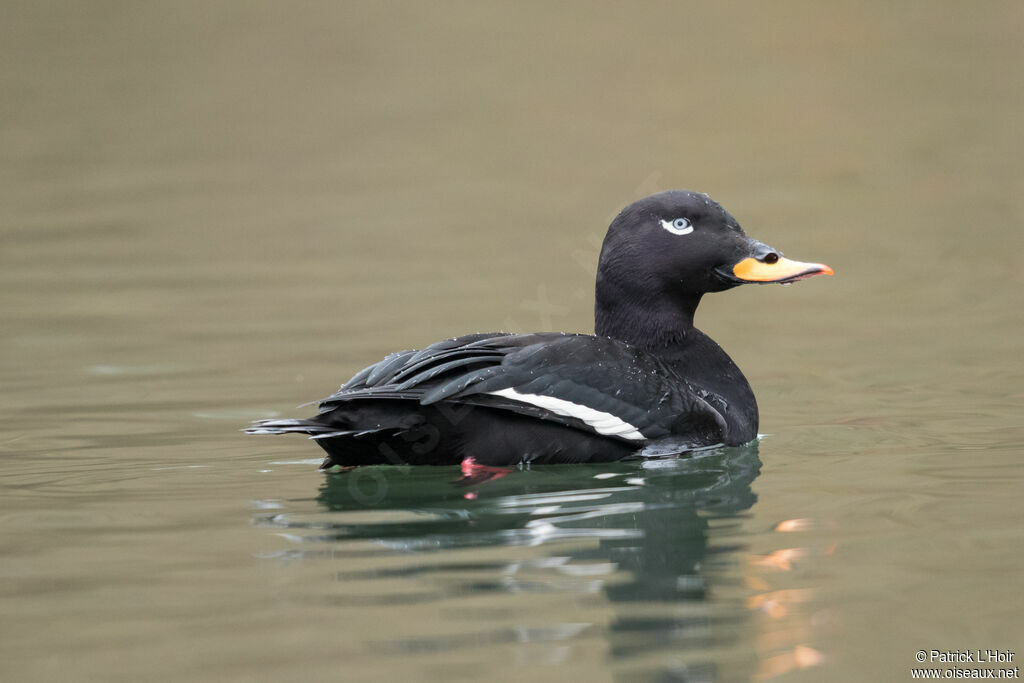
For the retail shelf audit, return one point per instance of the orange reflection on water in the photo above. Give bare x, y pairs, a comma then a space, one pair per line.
785, 624
775, 603
799, 524
800, 657
779, 559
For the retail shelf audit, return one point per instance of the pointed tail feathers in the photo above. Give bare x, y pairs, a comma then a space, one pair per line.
313, 427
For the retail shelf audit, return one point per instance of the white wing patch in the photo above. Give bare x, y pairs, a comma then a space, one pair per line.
600, 421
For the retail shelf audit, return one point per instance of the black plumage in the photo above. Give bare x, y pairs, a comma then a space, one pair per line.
647, 375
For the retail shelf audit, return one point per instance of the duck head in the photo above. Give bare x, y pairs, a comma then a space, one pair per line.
663, 252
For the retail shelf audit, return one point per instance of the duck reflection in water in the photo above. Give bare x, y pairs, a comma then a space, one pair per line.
655, 537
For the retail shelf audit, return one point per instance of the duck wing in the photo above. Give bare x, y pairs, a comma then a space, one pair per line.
596, 384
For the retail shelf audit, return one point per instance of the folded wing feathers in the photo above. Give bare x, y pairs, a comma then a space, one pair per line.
438, 370
527, 372
458, 385
408, 367
382, 371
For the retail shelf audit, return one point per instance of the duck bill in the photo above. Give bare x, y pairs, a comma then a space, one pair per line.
783, 270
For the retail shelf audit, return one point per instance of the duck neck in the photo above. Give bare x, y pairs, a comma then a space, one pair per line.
662, 324
657, 322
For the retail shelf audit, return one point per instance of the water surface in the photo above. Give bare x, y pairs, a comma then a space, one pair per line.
213, 213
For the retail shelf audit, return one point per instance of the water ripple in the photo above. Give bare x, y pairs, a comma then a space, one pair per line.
649, 554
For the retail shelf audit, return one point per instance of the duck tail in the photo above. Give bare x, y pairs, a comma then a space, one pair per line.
313, 427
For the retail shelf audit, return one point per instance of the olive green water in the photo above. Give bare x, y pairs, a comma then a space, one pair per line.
211, 213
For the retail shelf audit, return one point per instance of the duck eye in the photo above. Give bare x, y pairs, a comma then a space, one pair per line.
679, 226
771, 257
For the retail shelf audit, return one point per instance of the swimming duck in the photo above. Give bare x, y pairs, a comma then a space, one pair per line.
646, 375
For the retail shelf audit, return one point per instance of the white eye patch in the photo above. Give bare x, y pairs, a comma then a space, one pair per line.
679, 226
